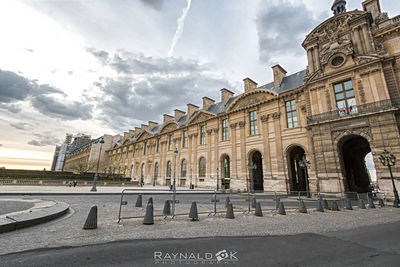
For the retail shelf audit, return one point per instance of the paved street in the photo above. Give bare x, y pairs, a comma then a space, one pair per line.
365, 246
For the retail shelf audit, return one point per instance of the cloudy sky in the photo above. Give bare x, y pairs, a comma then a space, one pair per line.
106, 66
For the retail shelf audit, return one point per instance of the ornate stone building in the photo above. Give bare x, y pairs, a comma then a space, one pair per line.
343, 106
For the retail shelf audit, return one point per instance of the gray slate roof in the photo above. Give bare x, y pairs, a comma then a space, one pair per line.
288, 83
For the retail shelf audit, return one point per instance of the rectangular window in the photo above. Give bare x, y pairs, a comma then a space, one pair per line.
345, 98
184, 144
202, 135
253, 123
158, 145
291, 114
225, 130
144, 148
170, 142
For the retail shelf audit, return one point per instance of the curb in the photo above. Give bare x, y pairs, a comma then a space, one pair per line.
27, 219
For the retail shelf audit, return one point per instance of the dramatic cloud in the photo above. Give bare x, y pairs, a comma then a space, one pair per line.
19, 125
45, 139
52, 107
149, 87
14, 87
156, 4
281, 28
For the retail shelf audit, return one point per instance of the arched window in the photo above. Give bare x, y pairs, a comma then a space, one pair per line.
142, 171
183, 168
202, 167
156, 170
131, 171
226, 167
169, 169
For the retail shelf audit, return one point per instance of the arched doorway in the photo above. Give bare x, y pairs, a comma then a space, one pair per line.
225, 172
257, 173
296, 173
352, 152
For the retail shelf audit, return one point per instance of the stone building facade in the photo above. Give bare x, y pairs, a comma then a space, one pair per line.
343, 106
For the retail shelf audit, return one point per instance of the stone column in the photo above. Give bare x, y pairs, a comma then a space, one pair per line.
310, 61
216, 149
367, 40
195, 157
278, 142
316, 57
358, 40
243, 159
234, 150
267, 153
209, 169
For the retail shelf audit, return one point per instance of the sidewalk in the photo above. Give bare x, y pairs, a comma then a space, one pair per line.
85, 190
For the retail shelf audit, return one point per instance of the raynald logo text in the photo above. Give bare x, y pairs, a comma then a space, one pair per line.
220, 257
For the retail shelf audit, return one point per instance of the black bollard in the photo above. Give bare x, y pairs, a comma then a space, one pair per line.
227, 201
348, 204
361, 204
371, 203
395, 204
335, 206
139, 201
253, 202
258, 211
325, 204
148, 217
150, 200
277, 201
229, 212
281, 210
91, 221
302, 207
381, 203
193, 212
320, 207
167, 208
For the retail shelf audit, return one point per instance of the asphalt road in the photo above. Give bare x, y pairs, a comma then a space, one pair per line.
365, 246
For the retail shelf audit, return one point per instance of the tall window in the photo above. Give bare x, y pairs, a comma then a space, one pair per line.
183, 168
291, 114
158, 145
144, 148
169, 169
202, 167
202, 135
156, 170
225, 129
170, 142
226, 167
253, 123
184, 144
345, 99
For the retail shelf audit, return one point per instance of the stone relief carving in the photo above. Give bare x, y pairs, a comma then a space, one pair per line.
233, 125
170, 127
201, 117
276, 115
303, 108
251, 100
209, 131
362, 131
361, 91
332, 29
242, 124
264, 118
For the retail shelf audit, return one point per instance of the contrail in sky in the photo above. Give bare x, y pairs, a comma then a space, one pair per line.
179, 28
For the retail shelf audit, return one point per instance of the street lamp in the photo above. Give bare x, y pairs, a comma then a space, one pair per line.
305, 164
217, 178
176, 153
174, 186
388, 159
191, 187
101, 141
251, 166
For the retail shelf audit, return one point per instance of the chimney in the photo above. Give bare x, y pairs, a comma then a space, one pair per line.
144, 126
249, 84
279, 74
191, 109
126, 135
131, 132
207, 102
372, 6
167, 118
138, 130
178, 114
225, 95
152, 124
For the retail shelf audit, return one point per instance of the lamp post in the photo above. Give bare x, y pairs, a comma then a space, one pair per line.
305, 164
101, 141
389, 160
191, 187
217, 178
251, 166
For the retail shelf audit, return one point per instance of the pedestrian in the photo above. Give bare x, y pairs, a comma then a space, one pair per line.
69, 183
75, 183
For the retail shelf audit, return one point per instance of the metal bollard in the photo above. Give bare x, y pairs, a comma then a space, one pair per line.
320, 208
302, 207
258, 211
148, 217
229, 212
91, 221
193, 212
281, 210
139, 201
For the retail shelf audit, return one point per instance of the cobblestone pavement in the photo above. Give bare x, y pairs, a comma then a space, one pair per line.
8, 206
67, 231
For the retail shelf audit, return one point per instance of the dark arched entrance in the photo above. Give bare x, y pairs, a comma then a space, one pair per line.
353, 150
257, 173
296, 173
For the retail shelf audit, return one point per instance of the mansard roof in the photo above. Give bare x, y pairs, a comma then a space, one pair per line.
289, 83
